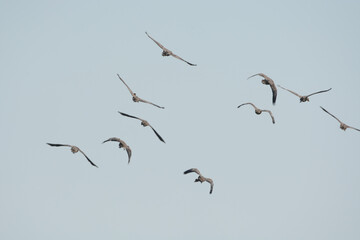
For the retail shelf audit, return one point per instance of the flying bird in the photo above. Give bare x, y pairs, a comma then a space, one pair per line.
268, 81
122, 144
167, 52
201, 178
144, 123
74, 149
135, 98
343, 126
304, 98
259, 111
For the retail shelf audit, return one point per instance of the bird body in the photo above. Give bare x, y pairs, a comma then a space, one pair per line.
166, 52
201, 178
135, 98
74, 149
122, 144
258, 111
270, 82
306, 97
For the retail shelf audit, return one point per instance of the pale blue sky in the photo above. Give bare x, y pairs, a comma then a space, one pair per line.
297, 179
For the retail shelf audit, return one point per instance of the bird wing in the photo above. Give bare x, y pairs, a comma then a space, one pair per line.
260, 74
274, 91
88, 158
354, 128
144, 101
192, 170
290, 91
209, 180
176, 56
131, 92
331, 115
128, 150
112, 139
272, 117
158, 135
159, 44
58, 145
319, 92
127, 115
247, 103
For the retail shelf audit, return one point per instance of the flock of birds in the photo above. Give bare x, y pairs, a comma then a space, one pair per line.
166, 52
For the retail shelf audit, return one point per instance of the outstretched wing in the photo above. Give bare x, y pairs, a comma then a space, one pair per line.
272, 117
112, 139
354, 128
131, 92
319, 92
144, 101
158, 135
209, 180
260, 74
127, 115
88, 158
291, 91
159, 44
331, 114
192, 170
247, 103
176, 56
274, 91
58, 145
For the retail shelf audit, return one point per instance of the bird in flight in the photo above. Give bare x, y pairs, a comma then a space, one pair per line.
135, 98
122, 144
167, 52
201, 178
74, 149
304, 98
259, 111
268, 81
144, 123
343, 126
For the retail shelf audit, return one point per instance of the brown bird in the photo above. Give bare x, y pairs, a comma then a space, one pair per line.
144, 123
343, 126
122, 144
304, 98
201, 178
167, 52
136, 98
268, 81
259, 111
74, 149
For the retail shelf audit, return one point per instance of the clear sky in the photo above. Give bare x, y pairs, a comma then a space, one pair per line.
296, 179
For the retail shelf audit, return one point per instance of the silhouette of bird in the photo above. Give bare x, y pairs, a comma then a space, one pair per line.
201, 178
259, 111
144, 123
135, 98
268, 81
122, 144
74, 149
343, 126
304, 98
167, 52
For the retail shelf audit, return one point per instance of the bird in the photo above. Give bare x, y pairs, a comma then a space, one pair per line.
201, 178
167, 52
122, 144
74, 149
304, 98
144, 123
268, 81
343, 126
259, 111
135, 98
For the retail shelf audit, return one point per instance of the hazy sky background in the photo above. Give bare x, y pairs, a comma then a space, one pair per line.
296, 179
